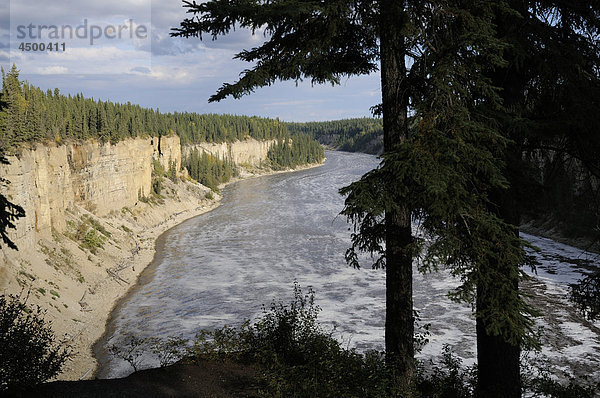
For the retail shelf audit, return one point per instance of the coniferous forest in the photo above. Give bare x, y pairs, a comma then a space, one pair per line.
490, 115
207, 169
301, 150
30, 114
351, 135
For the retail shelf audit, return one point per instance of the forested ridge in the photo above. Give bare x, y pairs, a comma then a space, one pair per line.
30, 114
351, 135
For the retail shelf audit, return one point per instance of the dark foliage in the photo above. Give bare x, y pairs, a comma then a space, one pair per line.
320, 41
586, 295
29, 353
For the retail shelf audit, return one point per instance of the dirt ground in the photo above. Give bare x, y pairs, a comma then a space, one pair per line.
204, 379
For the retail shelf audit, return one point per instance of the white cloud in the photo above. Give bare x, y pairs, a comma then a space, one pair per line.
166, 72
52, 70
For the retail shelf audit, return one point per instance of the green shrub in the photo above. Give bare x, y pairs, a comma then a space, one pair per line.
172, 173
157, 168
97, 226
29, 354
296, 356
157, 185
448, 379
92, 241
170, 350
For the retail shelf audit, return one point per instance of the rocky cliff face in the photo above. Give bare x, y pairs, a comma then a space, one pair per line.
49, 180
248, 152
167, 150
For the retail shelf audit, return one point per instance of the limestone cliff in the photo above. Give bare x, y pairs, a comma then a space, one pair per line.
47, 180
248, 152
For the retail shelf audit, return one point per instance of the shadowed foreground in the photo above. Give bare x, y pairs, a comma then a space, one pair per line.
205, 379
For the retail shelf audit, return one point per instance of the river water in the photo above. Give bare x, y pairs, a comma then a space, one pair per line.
222, 267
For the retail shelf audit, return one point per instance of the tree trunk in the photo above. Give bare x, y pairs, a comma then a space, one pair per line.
498, 371
498, 367
399, 324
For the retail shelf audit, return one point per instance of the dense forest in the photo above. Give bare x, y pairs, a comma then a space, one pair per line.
351, 135
207, 169
30, 114
301, 150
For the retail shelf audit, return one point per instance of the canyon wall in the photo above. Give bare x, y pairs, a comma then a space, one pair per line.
100, 177
248, 152
48, 180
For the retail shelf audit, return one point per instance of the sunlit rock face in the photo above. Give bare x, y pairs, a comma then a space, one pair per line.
247, 152
100, 177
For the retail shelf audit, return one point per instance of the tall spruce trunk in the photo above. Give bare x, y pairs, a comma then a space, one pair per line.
498, 366
399, 323
498, 369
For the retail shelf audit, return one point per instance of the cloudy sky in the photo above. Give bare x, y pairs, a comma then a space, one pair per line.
120, 50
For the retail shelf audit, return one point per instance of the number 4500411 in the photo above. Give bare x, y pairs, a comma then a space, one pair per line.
42, 47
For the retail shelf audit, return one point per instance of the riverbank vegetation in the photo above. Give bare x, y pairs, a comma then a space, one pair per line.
209, 170
290, 153
287, 353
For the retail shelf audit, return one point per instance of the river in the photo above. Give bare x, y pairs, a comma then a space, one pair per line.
223, 266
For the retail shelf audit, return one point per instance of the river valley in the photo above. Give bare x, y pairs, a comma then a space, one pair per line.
223, 266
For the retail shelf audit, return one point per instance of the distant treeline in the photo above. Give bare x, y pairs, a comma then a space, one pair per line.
351, 135
29, 114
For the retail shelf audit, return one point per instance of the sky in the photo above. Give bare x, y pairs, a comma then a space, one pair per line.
120, 50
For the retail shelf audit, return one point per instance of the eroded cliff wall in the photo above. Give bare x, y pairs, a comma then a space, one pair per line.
248, 152
87, 235
48, 180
